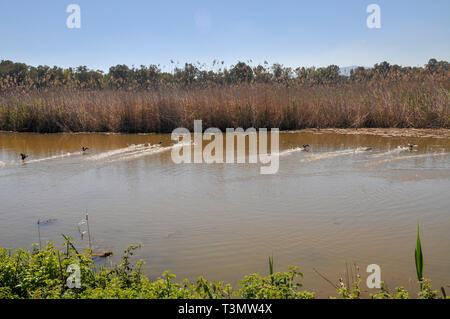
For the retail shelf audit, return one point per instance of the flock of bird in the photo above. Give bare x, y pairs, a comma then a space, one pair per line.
306, 147
24, 156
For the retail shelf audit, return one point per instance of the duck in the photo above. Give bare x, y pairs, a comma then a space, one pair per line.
84, 149
411, 146
47, 221
104, 254
23, 156
306, 147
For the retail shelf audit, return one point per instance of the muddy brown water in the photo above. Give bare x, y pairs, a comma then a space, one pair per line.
326, 208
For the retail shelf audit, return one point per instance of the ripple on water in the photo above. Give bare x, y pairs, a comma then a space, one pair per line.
339, 202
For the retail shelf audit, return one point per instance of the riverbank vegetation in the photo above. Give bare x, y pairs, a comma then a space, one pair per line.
147, 99
42, 273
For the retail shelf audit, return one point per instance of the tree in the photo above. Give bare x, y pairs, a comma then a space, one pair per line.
119, 72
16, 71
241, 72
281, 74
261, 74
382, 69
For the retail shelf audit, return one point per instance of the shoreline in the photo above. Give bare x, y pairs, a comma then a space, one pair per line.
128, 280
384, 132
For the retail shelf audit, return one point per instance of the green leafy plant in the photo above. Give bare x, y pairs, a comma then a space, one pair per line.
270, 265
41, 274
419, 259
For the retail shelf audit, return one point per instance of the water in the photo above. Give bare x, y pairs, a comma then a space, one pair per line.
336, 204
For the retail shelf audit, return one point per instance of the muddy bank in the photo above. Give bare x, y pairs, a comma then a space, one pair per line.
387, 132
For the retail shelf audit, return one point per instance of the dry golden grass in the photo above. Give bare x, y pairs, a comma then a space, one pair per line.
414, 104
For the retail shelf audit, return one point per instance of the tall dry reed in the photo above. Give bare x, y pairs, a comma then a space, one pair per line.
418, 104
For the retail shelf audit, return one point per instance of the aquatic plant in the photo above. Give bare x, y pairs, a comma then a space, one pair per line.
125, 100
419, 259
85, 221
41, 273
270, 265
39, 231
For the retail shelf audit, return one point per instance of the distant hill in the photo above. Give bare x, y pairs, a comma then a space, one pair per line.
347, 69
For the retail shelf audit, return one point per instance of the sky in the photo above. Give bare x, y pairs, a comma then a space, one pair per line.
291, 32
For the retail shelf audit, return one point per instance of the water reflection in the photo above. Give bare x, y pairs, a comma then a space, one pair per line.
336, 203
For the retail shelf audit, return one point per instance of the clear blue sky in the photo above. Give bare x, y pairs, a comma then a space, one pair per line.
294, 32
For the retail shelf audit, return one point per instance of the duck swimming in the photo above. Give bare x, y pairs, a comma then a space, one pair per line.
411, 146
106, 253
47, 221
306, 147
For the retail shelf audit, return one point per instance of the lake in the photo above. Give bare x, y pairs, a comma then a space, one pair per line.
336, 205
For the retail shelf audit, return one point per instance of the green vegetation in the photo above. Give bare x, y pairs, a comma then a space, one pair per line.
146, 99
198, 75
41, 273
419, 258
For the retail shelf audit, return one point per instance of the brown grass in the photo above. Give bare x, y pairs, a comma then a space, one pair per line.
410, 104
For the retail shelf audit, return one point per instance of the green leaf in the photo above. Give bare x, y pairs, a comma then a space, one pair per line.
271, 265
419, 257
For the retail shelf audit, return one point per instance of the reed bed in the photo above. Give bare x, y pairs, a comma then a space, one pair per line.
389, 104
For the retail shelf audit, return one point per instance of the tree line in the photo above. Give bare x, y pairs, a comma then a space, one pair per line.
13, 74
